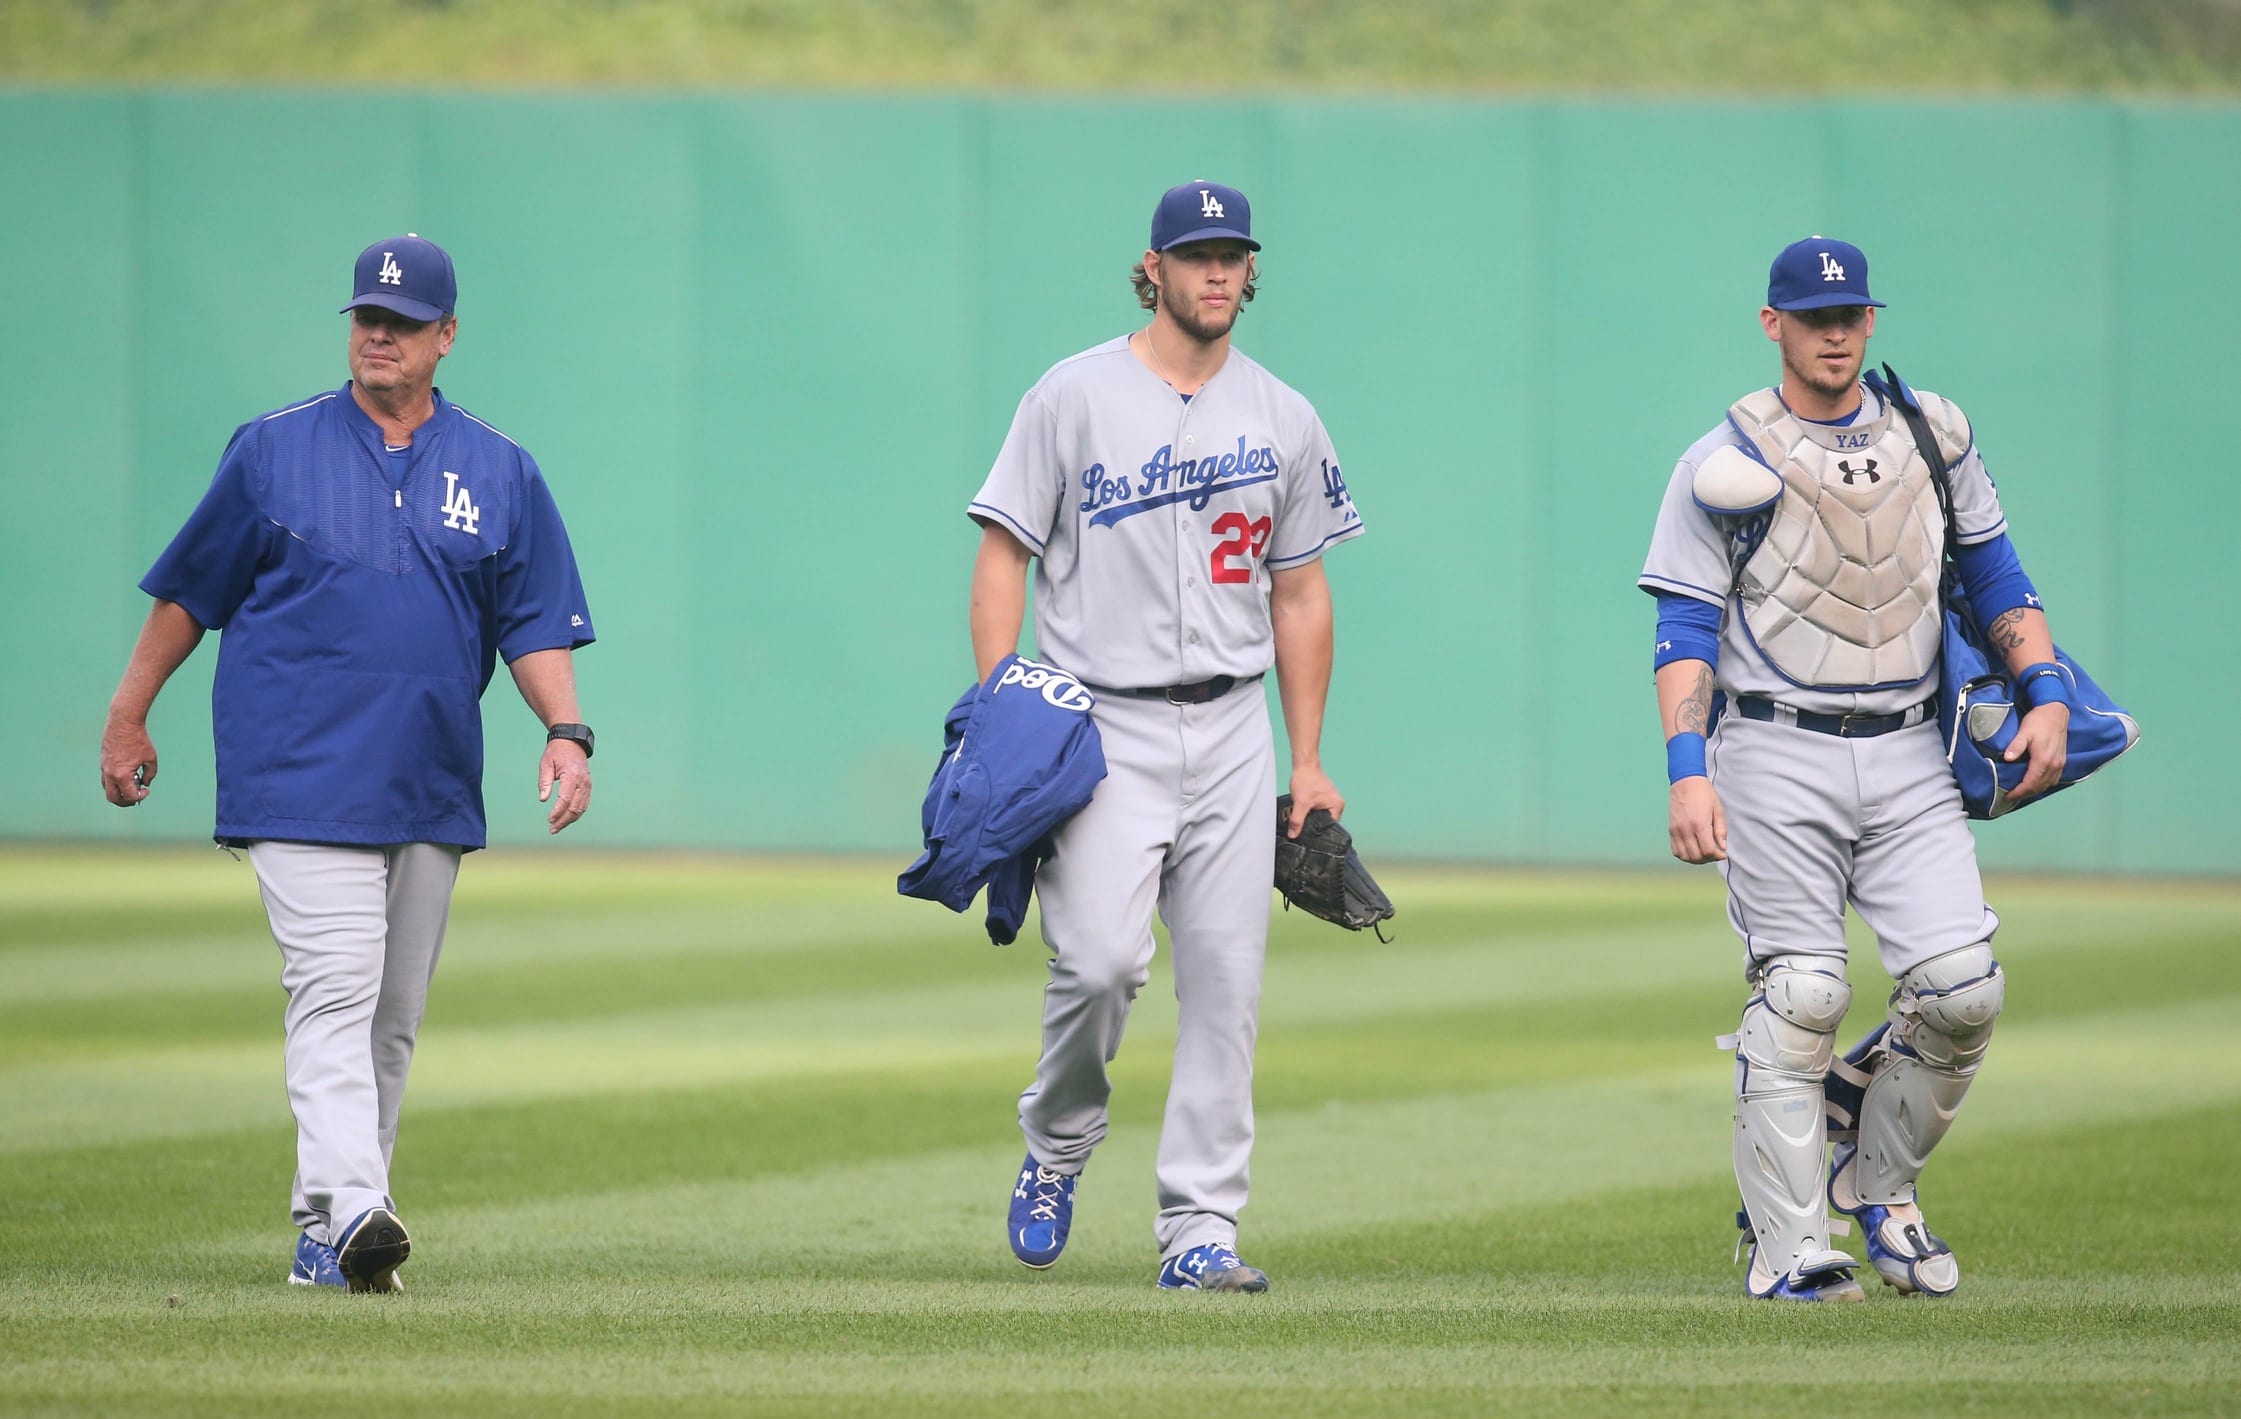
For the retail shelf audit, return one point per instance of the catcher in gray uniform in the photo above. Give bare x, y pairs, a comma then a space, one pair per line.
1797, 563
1176, 499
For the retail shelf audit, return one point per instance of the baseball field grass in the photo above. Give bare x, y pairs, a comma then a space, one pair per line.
717, 1136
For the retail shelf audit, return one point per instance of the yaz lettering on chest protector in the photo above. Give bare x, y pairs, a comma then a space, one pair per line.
1843, 591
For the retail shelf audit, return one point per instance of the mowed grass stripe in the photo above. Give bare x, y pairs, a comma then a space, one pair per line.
150, 1085
1312, 1086
158, 1087
719, 934
480, 987
1581, 1305
1346, 1166
953, 1375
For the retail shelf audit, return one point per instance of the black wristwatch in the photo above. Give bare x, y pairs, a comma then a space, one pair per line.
573, 733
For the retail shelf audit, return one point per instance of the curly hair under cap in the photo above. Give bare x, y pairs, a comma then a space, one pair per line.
1147, 292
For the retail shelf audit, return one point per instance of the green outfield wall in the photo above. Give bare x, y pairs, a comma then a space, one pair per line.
765, 346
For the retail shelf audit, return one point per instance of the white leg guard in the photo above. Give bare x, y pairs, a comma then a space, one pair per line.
1921, 1065
1782, 1051
1941, 1024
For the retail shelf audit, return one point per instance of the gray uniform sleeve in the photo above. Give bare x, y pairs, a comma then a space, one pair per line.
1976, 503
1314, 510
1689, 547
1023, 489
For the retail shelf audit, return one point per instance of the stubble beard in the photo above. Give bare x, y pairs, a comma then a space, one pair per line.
1811, 376
1203, 331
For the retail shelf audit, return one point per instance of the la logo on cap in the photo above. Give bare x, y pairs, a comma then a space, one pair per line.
1830, 270
391, 273
1208, 204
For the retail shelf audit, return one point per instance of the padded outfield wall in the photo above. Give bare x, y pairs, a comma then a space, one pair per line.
765, 346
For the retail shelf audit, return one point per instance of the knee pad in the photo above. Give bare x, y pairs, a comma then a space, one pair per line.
1943, 1010
1788, 1035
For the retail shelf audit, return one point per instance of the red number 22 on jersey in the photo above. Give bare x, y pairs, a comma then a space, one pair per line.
1242, 538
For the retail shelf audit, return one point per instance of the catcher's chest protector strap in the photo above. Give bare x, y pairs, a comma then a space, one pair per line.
1842, 593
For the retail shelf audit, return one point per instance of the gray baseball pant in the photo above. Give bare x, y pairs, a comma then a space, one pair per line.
1185, 820
359, 930
1814, 821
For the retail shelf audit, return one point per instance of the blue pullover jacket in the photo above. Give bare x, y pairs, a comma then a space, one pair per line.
1020, 755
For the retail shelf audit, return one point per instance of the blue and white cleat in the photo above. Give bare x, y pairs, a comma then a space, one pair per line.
1042, 1213
1824, 1276
315, 1265
1212, 1267
372, 1247
1900, 1245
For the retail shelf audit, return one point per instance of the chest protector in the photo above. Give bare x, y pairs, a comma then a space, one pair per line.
1843, 591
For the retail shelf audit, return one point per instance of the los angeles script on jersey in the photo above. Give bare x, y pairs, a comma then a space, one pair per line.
1161, 481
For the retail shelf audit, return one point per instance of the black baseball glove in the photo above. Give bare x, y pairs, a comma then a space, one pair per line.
1320, 873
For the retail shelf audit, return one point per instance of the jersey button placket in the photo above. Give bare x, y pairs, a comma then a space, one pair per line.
1186, 552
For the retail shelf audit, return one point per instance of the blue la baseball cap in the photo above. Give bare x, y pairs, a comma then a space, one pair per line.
1202, 211
1817, 272
409, 275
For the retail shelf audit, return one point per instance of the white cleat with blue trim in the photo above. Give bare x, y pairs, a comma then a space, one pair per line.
1900, 1245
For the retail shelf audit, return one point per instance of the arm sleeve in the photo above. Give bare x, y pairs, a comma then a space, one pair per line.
1023, 490
1687, 629
1689, 546
211, 564
1993, 576
1314, 509
541, 602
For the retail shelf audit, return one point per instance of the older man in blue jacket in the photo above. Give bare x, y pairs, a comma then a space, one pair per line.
367, 554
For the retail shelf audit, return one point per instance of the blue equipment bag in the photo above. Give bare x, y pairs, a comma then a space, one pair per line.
1977, 711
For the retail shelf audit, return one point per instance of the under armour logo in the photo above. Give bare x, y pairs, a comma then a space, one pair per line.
460, 511
391, 273
1830, 271
2030, 598
1665, 645
1845, 467
1208, 204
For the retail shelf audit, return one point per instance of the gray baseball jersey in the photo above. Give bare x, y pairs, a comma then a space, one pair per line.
1156, 521
1691, 549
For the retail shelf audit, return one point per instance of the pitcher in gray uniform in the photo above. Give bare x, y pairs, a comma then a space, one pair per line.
1176, 499
1796, 563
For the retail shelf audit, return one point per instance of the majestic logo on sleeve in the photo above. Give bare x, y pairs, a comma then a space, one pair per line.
391, 273
1208, 204
1162, 481
460, 512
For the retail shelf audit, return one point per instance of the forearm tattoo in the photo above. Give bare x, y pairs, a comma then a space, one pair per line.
1695, 714
2006, 630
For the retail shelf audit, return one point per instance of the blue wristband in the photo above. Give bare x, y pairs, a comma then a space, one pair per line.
1684, 757
2043, 684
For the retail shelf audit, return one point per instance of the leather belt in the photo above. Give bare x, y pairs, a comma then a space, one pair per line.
1194, 694
1844, 726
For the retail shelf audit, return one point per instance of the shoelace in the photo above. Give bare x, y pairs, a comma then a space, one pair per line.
1047, 1195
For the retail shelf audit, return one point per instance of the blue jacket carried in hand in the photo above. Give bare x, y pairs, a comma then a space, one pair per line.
1020, 755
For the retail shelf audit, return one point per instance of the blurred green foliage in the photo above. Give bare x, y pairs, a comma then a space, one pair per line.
1743, 48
